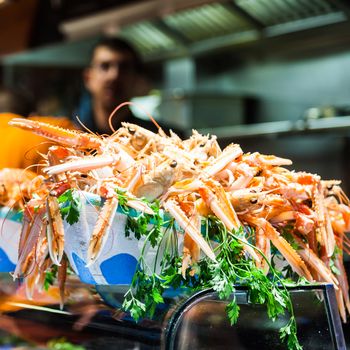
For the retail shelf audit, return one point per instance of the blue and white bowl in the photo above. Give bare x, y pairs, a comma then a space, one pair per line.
117, 262
10, 230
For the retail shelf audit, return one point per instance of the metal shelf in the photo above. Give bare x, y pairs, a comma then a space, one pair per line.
326, 125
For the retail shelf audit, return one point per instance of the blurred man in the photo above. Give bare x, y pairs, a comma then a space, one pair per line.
111, 78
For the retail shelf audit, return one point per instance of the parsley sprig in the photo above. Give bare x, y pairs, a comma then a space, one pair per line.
50, 277
146, 288
63, 344
140, 223
70, 206
232, 267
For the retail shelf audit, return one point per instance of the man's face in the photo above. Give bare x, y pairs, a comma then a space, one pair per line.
111, 77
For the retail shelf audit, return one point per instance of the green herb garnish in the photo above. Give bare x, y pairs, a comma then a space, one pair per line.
139, 223
70, 206
231, 268
50, 277
63, 344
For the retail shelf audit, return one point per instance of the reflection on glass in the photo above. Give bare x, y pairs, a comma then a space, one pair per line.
91, 320
204, 325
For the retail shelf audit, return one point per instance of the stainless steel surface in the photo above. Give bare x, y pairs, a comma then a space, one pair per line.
161, 29
193, 109
176, 25
148, 39
200, 24
338, 124
272, 12
207, 21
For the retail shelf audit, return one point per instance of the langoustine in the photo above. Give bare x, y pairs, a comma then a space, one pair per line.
305, 218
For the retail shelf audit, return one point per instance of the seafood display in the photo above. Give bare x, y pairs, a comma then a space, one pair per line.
238, 213
17, 186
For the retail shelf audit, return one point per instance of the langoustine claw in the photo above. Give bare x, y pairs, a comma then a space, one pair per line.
295, 261
101, 230
55, 230
65, 137
175, 211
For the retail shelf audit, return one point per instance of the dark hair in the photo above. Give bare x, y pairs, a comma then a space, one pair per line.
118, 44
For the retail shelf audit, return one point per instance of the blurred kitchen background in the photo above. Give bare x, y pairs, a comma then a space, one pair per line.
271, 75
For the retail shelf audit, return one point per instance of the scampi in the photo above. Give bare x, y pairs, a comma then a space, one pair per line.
272, 208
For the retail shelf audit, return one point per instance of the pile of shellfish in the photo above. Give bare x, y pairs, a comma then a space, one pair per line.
191, 178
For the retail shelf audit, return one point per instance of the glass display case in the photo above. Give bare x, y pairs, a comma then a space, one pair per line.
201, 323
91, 320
